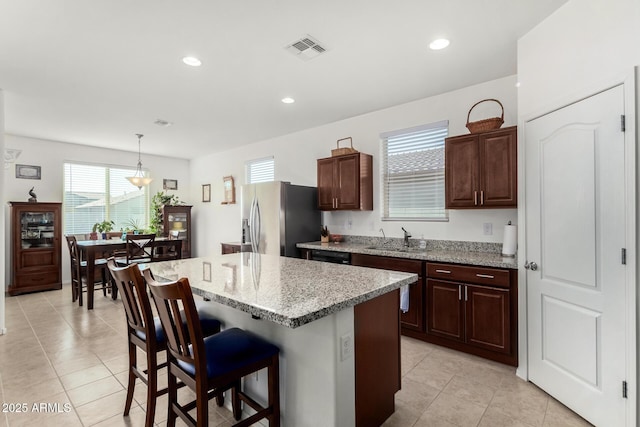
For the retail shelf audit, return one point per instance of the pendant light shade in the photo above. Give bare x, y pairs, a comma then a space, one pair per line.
139, 180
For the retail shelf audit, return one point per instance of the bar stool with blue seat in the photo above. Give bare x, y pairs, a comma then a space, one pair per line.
145, 332
211, 365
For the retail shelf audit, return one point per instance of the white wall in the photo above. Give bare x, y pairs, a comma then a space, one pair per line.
295, 161
51, 155
2, 218
584, 47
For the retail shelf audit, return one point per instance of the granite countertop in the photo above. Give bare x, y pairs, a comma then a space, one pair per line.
470, 253
287, 291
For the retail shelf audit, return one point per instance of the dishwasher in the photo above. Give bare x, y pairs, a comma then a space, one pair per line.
331, 256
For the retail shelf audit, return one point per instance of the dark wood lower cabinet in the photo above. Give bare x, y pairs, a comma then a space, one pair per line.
377, 358
445, 310
413, 319
487, 318
474, 315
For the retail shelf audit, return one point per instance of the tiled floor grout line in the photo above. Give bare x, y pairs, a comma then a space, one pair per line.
47, 354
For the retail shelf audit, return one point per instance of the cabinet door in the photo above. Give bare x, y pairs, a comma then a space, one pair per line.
445, 309
487, 318
498, 169
325, 184
414, 317
348, 185
461, 172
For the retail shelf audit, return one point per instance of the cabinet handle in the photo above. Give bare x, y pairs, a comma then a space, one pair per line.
485, 276
482, 197
475, 198
465, 293
443, 271
459, 292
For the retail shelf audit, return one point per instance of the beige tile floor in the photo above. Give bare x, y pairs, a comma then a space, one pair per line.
75, 360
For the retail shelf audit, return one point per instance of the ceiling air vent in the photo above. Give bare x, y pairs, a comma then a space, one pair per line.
306, 48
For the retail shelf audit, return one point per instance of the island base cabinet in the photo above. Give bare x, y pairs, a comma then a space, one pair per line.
377, 358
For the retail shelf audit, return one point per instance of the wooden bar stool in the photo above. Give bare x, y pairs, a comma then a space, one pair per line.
211, 365
145, 332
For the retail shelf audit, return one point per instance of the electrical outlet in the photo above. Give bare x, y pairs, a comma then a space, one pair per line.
487, 228
346, 346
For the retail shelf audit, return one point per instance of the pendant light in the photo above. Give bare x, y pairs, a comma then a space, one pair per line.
139, 180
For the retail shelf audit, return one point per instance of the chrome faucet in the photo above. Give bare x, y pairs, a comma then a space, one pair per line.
406, 237
383, 235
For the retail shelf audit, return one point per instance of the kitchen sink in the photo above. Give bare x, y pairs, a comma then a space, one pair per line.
403, 249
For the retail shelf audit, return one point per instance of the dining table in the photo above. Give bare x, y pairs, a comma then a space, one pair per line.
88, 251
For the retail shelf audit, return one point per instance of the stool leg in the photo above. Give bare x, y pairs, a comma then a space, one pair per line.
235, 401
131, 384
152, 387
274, 391
202, 403
173, 396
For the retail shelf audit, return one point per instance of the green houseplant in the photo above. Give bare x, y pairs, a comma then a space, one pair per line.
157, 202
101, 227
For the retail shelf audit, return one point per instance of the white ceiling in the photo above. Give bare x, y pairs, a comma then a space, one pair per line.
97, 72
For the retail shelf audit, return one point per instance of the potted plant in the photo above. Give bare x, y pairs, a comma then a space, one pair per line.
159, 200
101, 227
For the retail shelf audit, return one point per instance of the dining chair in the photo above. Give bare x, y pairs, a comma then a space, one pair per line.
211, 365
79, 273
139, 248
166, 250
145, 332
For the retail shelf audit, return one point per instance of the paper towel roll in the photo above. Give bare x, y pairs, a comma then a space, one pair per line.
510, 240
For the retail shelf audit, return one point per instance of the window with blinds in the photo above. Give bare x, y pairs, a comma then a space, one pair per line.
260, 170
413, 173
94, 193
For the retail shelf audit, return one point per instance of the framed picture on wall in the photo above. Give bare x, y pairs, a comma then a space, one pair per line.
169, 184
206, 193
229, 191
28, 172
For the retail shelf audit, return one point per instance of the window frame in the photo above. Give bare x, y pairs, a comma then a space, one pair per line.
107, 208
250, 163
384, 137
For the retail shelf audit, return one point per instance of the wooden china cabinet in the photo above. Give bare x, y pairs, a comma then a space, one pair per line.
176, 222
36, 247
481, 170
345, 182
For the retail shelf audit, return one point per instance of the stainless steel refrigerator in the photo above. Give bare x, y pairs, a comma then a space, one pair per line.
277, 215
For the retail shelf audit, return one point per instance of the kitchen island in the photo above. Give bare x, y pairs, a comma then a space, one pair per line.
337, 327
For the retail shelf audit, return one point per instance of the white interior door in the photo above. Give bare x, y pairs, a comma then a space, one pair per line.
575, 232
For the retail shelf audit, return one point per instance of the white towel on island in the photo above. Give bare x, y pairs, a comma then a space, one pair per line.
404, 298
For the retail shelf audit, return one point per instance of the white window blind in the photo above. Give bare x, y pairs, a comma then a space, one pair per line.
94, 193
260, 170
413, 173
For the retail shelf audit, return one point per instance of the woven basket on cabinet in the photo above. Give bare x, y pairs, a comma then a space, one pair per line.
486, 124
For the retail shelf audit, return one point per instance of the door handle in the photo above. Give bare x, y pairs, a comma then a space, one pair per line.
530, 266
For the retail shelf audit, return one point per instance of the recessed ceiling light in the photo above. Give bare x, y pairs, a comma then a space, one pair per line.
288, 100
192, 60
163, 123
439, 44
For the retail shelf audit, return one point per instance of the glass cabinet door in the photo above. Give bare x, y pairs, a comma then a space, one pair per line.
37, 229
178, 224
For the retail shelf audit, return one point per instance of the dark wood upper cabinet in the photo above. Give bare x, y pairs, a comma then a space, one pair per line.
481, 170
345, 182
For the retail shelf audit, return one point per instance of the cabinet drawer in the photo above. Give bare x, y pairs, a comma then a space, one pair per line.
388, 263
35, 279
466, 274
